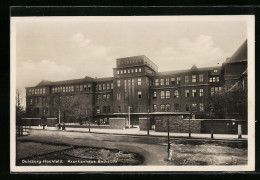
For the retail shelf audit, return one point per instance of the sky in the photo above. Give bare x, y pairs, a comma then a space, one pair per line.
62, 48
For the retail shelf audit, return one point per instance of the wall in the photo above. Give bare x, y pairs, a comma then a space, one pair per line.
117, 123
176, 124
143, 123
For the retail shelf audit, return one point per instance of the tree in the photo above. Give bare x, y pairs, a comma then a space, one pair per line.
79, 108
61, 104
19, 110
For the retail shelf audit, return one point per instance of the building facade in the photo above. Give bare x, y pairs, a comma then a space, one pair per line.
136, 87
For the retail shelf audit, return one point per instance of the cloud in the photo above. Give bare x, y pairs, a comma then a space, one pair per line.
79, 40
200, 50
33, 72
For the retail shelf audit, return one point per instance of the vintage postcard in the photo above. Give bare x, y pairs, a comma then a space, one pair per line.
132, 93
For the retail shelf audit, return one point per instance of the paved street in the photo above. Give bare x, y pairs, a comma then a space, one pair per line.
152, 148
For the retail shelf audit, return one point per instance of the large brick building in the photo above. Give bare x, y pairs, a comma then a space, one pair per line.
138, 87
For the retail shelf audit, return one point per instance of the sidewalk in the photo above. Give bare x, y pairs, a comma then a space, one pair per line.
136, 131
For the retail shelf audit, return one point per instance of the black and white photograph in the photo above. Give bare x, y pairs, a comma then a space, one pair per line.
132, 93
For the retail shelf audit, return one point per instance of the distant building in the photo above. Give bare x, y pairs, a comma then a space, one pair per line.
136, 83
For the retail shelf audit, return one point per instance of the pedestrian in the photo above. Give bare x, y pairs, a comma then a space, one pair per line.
59, 126
63, 126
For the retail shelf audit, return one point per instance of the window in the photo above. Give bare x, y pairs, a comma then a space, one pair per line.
176, 107
121, 71
186, 79
158, 122
108, 97
118, 83
187, 107
67, 88
187, 93
214, 79
167, 81
139, 81
31, 101
201, 107
132, 70
194, 78
136, 70
156, 82
108, 109
112, 85
168, 107
30, 91
98, 109
162, 107
178, 80
124, 71
162, 82
77, 88
201, 92
104, 87
118, 96
201, 78
215, 90
154, 94
104, 109
154, 108
128, 70
72, 88
194, 107
118, 109
139, 94
176, 94
193, 92
215, 70
34, 91
40, 91
173, 80
81, 87
117, 72
108, 86
168, 94
140, 70
98, 97
139, 108
162, 94
104, 97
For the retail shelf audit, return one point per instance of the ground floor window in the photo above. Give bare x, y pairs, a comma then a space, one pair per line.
176, 107
194, 107
201, 107
154, 108
187, 107
158, 122
162, 107
168, 107
139, 108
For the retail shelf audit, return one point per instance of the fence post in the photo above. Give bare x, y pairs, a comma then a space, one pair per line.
239, 131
